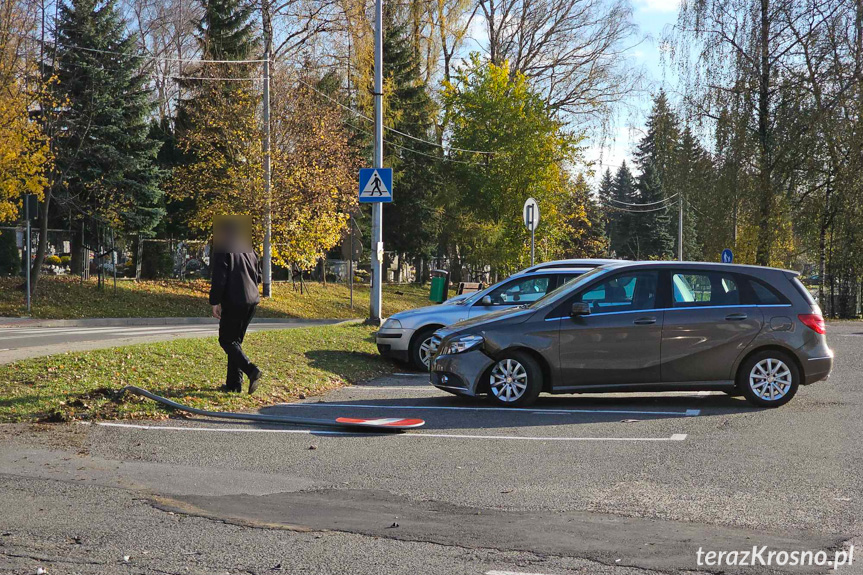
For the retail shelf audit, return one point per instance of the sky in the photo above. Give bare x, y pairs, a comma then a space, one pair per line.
653, 17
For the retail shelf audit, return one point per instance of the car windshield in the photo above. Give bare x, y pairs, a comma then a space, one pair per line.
566, 288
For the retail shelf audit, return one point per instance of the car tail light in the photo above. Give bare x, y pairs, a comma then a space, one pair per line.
814, 321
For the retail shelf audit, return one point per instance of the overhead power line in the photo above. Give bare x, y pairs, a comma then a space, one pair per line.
613, 207
648, 204
144, 56
393, 130
411, 150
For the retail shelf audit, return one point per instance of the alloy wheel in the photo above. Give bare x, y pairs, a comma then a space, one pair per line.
508, 380
770, 379
426, 351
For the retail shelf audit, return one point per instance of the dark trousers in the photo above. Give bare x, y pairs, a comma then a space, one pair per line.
232, 329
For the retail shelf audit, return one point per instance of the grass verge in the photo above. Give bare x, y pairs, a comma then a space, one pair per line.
69, 298
84, 385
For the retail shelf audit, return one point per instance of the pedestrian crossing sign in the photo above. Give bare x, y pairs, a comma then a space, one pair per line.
376, 185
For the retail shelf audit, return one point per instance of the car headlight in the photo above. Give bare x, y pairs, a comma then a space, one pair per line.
392, 324
463, 343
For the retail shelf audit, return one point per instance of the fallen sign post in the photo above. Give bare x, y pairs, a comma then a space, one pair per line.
383, 424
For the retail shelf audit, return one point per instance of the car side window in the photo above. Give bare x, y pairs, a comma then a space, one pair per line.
626, 292
695, 289
521, 291
765, 295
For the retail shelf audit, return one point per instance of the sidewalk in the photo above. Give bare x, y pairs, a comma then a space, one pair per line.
142, 321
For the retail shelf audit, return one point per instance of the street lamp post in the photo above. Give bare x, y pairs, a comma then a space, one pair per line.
377, 208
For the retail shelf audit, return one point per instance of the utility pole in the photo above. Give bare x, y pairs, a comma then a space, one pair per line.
377, 207
268, 216
679, 226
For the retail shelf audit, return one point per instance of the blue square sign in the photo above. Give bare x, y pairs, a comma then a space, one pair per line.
376, 185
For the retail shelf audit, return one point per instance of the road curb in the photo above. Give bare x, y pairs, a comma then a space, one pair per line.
150, 321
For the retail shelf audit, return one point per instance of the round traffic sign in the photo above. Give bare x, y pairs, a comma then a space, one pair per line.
727, 256
530, 213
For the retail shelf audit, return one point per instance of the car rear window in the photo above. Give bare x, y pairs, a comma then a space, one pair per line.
801, 289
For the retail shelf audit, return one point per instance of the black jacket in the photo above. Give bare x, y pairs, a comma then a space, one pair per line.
235, 279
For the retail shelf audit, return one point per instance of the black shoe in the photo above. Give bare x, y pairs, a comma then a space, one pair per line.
230, 389
255, 380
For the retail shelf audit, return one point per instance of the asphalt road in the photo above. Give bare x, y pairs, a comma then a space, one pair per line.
622, 484
25, 342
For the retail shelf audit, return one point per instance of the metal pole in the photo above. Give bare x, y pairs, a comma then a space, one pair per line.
84, 261
377, 207
351, 261
680, 227
532, 233
268, 218
114, 259
27, 247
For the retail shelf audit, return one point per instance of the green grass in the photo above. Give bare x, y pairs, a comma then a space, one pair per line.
84, 385
68, 298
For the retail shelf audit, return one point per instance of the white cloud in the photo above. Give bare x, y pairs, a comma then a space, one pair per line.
658, 5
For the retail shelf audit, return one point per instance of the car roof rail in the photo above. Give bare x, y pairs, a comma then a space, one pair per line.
568, 264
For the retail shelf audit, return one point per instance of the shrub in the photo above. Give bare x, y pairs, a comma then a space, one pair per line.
52, 260
156, 261
65, 260
10, 257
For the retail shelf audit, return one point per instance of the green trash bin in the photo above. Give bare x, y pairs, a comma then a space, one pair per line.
439, 287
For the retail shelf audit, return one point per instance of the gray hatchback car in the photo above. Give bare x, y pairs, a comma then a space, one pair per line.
644, 326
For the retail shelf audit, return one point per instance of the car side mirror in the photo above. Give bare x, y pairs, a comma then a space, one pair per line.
579, 308
486, 300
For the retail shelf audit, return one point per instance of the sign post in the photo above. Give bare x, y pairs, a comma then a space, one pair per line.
376, 188
530, 214
727, 256
377, 207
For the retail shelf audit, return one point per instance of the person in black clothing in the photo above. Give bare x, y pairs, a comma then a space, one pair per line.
234, 296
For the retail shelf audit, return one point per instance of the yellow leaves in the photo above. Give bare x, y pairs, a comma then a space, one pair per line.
24, 153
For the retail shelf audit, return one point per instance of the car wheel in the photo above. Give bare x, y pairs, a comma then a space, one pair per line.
769, 378
420, 355
515, 380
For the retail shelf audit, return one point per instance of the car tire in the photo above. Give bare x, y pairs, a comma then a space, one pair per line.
417, 352
515, 380
768, 378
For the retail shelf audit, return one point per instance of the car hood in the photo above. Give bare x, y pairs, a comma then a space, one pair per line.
477, 324
429, 309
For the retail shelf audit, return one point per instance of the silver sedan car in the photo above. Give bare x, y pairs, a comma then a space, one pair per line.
406, 336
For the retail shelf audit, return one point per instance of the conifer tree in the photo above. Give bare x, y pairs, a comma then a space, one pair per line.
409, 221
105, 158
656, 158
624, 240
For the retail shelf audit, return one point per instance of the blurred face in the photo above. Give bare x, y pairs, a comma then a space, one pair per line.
232, 234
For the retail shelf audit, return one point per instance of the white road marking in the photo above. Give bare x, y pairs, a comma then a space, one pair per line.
687, 413
495, 572
674, 437
704, 393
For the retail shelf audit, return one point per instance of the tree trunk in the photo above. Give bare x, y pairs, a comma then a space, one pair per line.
36, 268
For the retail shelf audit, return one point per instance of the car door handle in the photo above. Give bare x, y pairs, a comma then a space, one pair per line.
736, 317
645, 321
